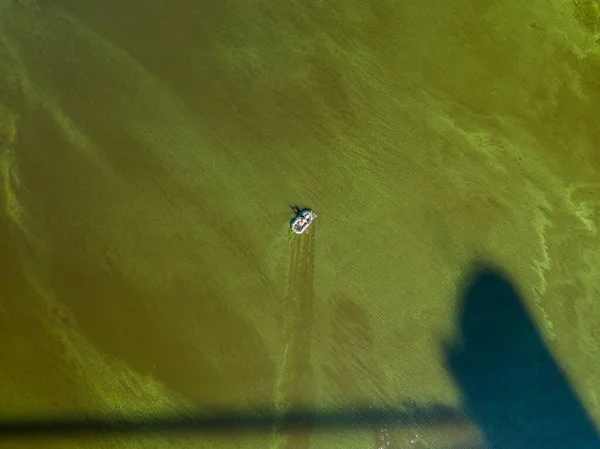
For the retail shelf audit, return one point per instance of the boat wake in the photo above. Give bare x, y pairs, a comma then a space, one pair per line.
294, 385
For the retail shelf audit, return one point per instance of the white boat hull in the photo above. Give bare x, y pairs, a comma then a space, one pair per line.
302, 221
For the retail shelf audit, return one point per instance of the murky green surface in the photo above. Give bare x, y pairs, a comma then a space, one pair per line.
149, 155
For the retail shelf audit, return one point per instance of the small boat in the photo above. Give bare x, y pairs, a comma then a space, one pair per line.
302, 220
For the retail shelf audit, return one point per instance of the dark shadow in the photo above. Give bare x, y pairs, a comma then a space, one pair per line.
227, 423
296, 211
513, 388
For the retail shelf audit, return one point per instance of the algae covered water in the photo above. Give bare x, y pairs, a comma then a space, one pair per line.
149, 156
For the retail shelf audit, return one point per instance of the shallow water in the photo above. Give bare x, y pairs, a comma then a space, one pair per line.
150, 153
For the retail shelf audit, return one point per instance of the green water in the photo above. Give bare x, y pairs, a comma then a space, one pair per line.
151, 150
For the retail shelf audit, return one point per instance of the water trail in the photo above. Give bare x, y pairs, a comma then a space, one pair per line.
294, 386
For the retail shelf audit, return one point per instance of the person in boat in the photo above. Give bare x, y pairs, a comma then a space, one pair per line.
303, 219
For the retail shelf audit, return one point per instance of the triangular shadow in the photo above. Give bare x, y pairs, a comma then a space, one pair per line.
513, 388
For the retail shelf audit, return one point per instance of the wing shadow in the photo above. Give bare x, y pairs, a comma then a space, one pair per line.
513, 388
